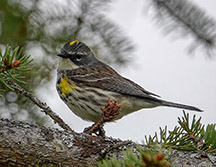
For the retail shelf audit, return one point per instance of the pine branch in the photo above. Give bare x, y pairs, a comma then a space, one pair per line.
175, 15
23, 144
161, 149
43, 146
111, 41
209, 136
82, 20
46, 109
148, 157
186, 137
11, 63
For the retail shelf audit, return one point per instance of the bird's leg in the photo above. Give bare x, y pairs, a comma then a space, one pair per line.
96, 129
101, 131
109, 113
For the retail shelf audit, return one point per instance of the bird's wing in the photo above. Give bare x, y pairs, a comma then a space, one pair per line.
104, 77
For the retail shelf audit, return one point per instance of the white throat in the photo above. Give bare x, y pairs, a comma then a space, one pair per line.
66, 64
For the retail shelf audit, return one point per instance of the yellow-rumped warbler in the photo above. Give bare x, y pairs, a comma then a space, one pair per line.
85, 84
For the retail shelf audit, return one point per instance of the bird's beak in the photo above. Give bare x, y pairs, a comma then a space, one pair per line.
62, 54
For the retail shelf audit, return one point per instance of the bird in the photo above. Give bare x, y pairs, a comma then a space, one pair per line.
85, 84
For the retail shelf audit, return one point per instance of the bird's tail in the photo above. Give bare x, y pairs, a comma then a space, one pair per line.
182, 106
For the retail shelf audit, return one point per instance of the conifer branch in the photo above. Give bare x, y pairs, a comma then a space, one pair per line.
11, 62
46, 109
186, 136
185, 16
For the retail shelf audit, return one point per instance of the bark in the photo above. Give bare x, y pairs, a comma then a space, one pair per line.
22, 144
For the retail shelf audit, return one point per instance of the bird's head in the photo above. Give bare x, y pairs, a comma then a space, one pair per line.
75, 54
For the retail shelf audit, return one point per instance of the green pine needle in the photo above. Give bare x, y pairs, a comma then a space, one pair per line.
148, 156
11, 63
186, 136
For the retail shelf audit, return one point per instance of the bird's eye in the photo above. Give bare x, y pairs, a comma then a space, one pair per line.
78, 57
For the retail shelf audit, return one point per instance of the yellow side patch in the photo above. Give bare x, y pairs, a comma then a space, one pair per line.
66, 87
73, 42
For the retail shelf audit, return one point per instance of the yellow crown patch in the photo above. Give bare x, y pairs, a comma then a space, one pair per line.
73, 42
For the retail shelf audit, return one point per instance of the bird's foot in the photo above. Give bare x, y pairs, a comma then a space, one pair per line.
97, 130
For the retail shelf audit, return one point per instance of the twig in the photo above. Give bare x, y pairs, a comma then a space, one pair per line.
46, 109
190, 18
109, 113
